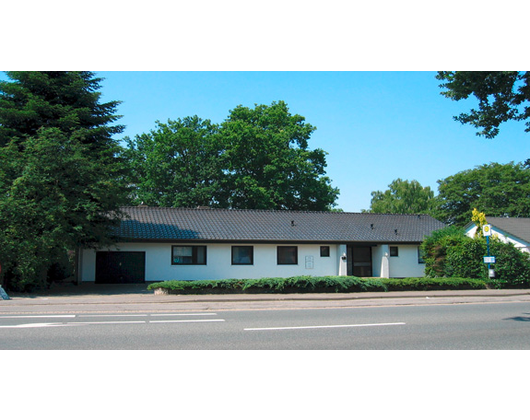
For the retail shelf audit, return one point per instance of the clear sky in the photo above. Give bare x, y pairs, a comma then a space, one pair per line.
375, 126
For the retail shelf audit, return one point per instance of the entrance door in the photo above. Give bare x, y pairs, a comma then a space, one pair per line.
359, 261
120, 267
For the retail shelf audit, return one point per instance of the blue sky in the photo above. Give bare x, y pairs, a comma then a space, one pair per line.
375, 126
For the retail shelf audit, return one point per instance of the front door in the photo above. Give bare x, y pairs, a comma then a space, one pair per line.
359, 261
120, 267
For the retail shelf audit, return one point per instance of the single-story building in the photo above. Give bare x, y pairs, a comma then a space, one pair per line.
158, 244
515, 230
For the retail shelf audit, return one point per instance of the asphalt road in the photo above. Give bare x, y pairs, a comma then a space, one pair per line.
439, 327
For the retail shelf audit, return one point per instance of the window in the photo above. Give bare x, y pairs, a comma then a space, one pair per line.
188, 255
287, 255
421, 256
242, 255
394, 252
324, 251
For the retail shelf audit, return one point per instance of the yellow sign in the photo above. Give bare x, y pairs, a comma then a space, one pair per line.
486, 230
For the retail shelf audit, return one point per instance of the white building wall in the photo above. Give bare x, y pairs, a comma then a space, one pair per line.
406, 263
503, 236
380, 261
158, 265
218, 266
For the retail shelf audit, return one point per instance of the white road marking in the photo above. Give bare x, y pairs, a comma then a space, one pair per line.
117, 322
35, 316
325, 326
105, 322
190, 314
109, 316
186, 320
40, 325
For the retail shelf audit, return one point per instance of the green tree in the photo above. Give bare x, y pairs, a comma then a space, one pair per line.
62, 179
177, 165
501, 95
67, 100
403, 197
256, 159
495, 189
268, 163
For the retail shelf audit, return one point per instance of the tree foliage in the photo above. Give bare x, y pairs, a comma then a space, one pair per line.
496, 189
501, 95
61, 177
68, 101
403, 197
269, 164
258, 158
177, 164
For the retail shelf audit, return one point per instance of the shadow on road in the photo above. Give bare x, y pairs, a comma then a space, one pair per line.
87, 289
519, 318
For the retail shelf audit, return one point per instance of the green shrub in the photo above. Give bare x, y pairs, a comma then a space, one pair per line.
308, 284
450, 253
299, 284
429, 283
512, 267
435, 249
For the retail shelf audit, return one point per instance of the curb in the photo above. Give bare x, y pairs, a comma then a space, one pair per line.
175, 298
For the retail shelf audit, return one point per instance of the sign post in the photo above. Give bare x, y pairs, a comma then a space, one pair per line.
486, 231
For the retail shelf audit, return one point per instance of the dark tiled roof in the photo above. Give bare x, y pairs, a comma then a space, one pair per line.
174, 224
516, 226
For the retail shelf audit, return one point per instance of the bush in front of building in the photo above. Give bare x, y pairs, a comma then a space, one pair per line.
450, 253
298, 284
309, 284
429, 283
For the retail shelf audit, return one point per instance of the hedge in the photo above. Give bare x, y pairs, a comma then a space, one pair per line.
429, 283
308, 284
450, 253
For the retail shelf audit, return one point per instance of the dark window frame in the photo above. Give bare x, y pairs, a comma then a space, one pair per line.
251, 255
394, 251
325, 251
194, 255
280, 259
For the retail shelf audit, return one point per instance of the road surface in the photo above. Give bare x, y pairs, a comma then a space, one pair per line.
440, 327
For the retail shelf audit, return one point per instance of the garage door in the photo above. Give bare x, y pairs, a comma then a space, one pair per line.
120, 267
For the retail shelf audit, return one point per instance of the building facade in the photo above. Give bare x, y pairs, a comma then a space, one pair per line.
156, 244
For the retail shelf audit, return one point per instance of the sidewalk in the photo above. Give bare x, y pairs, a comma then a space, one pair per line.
136, 297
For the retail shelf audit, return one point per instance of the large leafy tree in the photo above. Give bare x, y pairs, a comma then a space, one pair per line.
501, 95
177, 164
495, 189
403, 197
61, 177
269, 164
258, 158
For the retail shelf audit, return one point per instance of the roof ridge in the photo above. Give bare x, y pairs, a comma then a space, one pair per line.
234, 210
273, 211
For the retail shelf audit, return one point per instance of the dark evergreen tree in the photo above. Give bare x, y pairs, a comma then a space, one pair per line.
62, 179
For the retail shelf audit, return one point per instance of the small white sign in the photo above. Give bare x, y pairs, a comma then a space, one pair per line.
489, 260
486, 230
309, 262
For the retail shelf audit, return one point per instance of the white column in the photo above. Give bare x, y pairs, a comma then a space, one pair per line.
385, 261
343, 266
